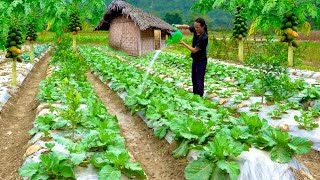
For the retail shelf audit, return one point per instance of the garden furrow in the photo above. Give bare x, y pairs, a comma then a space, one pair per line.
152, 153
16, 119
250, 105
126, 79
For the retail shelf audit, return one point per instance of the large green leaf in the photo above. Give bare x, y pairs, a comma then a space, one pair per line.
40, 176
182, 150
64, 170
29, 169
197, 127
252, 120
300, 145
240, 132
134, 170
64, 141
280, 154
118, 156
98, 159
109, 172
49, 161
160, 131
281, 137
218, 174
232, 168
219, 146
179, 126
77, 158
60, 124
265, 139
199, 170
152, 113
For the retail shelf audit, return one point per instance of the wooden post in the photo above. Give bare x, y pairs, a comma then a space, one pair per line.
290, 54
14, 72
240, 50
31, 53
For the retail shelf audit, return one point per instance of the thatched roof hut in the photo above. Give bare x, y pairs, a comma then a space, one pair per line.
132, 30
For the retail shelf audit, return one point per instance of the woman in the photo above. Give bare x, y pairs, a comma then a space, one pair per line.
198, 53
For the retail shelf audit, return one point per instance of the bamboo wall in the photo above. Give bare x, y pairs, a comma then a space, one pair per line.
124, 35
147, 41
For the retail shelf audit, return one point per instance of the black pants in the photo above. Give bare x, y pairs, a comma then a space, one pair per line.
198, 72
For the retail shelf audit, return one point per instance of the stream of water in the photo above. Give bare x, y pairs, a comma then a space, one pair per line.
156, 55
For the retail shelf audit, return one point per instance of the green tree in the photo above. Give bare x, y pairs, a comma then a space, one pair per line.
51, 13
173, 17
265, 13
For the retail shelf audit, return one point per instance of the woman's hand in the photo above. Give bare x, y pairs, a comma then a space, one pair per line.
183, 26
181, 42
192, 49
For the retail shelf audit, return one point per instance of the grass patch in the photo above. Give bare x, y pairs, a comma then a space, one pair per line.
100, 37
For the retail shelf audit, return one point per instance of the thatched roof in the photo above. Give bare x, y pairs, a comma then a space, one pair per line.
139, 17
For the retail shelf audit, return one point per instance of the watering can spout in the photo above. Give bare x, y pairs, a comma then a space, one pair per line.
175, 37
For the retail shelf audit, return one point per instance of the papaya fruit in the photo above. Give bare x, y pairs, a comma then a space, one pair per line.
8, 55
19, 59
74, 32
295, 34
294, 28
288, 31
13, 43
7, 45
17, 38
15, 54
294, 23
13, 35
290, 37
13, 49
289, 14
288, 24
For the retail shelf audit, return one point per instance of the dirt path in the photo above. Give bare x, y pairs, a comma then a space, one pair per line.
149, 151
312, 162
16, 120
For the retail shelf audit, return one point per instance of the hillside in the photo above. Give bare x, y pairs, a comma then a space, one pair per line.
215, 19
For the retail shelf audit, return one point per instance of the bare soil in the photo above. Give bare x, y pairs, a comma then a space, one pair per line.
16, 120
152, 153
312, 162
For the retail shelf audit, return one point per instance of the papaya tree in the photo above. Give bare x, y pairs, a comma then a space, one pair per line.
11, 19
14, 45
265, 14
74, 26
31, 36
290, 33
240, 29
57, 14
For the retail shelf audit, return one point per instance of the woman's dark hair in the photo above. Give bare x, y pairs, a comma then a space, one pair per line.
203, 24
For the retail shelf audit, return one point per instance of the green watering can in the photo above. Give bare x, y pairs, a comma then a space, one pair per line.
175, 37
